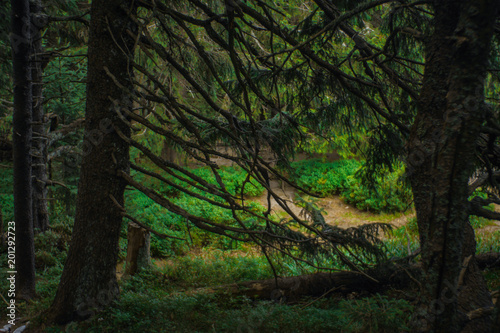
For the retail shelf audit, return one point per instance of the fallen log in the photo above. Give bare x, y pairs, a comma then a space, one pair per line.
400, 275
290, 289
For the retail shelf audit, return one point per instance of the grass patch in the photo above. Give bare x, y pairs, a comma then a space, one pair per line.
147, 307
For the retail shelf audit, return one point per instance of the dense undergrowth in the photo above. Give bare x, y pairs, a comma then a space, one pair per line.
342, 177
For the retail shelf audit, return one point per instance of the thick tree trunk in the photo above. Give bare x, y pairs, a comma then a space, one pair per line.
39, 153
22, 135
89, 277
441, 160
138, 249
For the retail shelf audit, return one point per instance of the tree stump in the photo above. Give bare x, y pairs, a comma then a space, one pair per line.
138, 249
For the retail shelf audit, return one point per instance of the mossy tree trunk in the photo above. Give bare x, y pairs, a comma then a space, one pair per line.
89, 280
441, 160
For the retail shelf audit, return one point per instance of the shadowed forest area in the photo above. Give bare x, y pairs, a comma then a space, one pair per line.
250, 166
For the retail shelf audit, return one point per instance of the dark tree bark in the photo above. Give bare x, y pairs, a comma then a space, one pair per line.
39, 153
441, 160
89, 277
22, 136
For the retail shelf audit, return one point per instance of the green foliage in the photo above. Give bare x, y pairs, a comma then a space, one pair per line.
376, 314
161, 220
6, 196
234, 178
388, 194
166, 222
478, 222
51, 248
150, 310
488, 242
324, 178
209, 268
64, 89
342, 177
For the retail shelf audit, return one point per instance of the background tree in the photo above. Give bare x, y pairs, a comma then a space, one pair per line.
39, 150
22, 136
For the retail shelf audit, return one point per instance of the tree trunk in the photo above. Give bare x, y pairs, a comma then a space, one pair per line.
138, 249
441, 160
89, 278
39, 153
22, 135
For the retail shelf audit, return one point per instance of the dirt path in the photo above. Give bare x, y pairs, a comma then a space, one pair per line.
335, 211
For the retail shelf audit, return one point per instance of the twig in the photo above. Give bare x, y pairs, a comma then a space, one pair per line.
4, 300
55, 182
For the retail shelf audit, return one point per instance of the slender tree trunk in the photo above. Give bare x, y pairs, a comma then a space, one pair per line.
441, 160
22, 134
39, 153
89, 277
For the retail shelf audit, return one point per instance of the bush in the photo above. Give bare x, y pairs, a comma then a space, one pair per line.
387, 194
234, 178
324, 178
341, 177
166, 222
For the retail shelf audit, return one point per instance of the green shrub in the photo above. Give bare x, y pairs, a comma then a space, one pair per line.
234, 179
324, 178
166, 222
341, 177
387, 195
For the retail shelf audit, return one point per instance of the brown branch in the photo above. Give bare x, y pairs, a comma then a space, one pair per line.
75, 18
476, 208
55, 182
